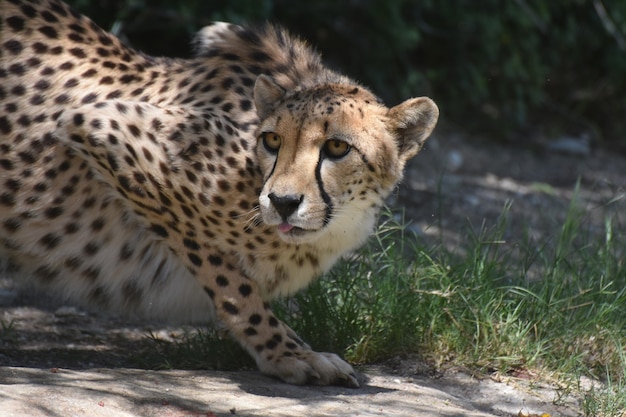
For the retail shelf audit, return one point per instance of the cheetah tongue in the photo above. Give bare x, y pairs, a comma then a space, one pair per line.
285, 227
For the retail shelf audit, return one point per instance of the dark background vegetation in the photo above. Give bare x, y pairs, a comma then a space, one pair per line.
507, 69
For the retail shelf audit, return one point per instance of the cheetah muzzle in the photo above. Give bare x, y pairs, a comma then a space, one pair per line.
190, 190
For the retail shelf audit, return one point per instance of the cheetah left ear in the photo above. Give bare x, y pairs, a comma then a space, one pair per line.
266, 95
411, 122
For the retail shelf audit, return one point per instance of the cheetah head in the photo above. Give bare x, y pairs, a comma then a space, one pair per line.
330, 155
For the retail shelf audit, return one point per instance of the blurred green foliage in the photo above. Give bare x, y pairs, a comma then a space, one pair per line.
501, 67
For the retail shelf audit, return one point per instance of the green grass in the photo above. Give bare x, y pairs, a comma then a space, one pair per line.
8, 332
555, 306
193, 349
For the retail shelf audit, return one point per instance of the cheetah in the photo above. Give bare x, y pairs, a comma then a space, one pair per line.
190, 190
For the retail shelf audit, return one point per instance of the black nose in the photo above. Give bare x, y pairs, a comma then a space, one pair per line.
285, 205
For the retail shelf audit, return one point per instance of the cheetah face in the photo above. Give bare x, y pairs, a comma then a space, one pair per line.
330, 155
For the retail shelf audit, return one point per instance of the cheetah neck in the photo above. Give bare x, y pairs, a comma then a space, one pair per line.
299, 265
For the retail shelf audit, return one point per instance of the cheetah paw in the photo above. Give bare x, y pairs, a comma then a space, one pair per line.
309, 367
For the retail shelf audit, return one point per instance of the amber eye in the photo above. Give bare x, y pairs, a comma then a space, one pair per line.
271, 141
334, 148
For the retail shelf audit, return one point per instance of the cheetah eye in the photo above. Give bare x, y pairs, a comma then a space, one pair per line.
271, 142
336, 149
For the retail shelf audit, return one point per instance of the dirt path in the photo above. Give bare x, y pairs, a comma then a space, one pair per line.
130, 392
457, 183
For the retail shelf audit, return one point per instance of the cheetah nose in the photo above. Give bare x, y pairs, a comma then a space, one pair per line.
285, 205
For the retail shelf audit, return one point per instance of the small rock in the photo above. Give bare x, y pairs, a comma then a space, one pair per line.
454, 161
579, 146
68, 311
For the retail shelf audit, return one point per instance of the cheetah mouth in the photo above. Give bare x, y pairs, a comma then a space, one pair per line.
291, 230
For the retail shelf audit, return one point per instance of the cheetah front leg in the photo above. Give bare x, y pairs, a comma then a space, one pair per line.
277, 350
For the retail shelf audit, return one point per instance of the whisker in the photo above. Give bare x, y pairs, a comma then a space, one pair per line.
249, 212
255, 219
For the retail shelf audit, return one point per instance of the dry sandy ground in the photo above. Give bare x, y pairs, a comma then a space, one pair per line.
129, 392
62, 362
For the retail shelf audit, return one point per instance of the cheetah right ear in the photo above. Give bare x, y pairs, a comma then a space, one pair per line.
412, 121
266, 95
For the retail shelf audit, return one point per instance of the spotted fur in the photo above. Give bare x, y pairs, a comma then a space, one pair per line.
189, 190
